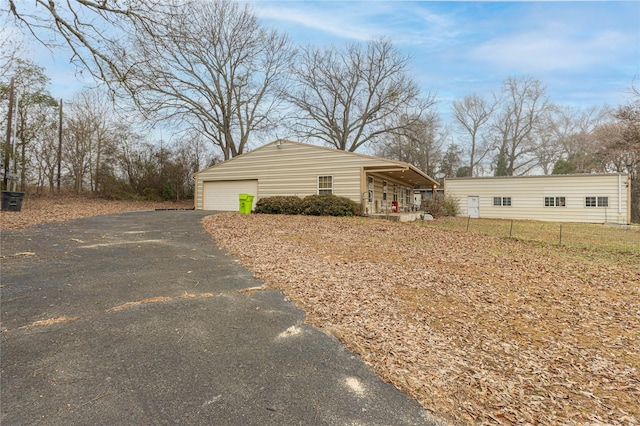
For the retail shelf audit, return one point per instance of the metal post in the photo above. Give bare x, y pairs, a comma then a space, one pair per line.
7, 145
511, 229
560, 234
468, 220
59, 146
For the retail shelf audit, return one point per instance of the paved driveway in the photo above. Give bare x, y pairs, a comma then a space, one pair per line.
139, 318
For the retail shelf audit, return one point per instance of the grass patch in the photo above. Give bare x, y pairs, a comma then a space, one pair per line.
574, 235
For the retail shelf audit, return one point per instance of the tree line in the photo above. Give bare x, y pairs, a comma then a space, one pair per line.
224, 83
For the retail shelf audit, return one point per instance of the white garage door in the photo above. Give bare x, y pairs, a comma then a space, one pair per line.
223, 195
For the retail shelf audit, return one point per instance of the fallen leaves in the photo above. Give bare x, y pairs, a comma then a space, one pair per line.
477, 329
59, 209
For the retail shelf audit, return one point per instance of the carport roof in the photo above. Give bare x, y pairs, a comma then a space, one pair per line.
405, 172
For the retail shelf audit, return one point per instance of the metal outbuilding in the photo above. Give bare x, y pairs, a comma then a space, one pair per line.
589, 198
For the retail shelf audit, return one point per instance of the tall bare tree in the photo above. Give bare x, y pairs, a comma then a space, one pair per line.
565, 137
88, 136
350, 96
418, 142
92, 29
213, 69
35, 108
472, 114
523, 109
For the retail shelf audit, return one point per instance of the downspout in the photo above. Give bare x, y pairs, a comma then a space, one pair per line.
619, 195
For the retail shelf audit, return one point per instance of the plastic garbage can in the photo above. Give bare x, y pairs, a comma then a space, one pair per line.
246, 203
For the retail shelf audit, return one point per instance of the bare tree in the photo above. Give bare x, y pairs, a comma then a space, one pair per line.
515, 128
472, 114
92, 29
348, 97
213, 69
10, 49
35, 108
418, 143
44, 154
566, 136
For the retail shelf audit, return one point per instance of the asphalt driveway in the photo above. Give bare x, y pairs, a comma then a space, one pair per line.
139, 318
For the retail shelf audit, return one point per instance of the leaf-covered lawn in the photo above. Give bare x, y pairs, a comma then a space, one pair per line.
478, 329
36, 210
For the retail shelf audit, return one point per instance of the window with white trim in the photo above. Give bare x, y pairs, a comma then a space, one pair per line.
408, 197
555, 201
325, 185
596, 201
603, 201
395, 192
384, 190
502, 201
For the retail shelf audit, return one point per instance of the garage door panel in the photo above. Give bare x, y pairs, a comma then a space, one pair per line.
223, 195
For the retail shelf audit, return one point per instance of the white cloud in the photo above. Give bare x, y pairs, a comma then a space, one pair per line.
342, 22
544, 51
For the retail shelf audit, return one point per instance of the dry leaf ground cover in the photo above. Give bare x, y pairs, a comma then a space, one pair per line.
37, 210
478, 329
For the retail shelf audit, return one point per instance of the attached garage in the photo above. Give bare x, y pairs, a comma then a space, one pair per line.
291, 168
223, 195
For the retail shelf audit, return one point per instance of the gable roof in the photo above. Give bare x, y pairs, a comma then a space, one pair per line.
396, 169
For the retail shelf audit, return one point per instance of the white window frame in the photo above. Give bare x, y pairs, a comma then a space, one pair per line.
501, 201
555, 201
323, 190
591, 201
602, 201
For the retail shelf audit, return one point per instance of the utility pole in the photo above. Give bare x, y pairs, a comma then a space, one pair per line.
59, 145
7, 145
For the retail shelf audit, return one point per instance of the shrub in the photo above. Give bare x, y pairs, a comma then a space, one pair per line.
329, 205
279, 205
442, 206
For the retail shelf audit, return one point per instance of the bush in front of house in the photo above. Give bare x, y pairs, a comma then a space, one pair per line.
442, 206
312, 205
279, 205
329, 205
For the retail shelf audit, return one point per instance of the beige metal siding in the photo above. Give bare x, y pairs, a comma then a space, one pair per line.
528, 193
292, 169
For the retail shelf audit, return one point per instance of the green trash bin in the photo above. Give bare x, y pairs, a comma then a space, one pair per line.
246, 203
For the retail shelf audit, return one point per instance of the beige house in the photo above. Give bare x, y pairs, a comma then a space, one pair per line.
592, 198
284, 167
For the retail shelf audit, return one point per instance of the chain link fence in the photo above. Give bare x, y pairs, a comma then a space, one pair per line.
622, 239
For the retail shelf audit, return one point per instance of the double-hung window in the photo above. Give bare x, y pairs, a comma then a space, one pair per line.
325, 185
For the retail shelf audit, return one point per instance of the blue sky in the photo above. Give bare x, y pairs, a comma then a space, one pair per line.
586, 53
